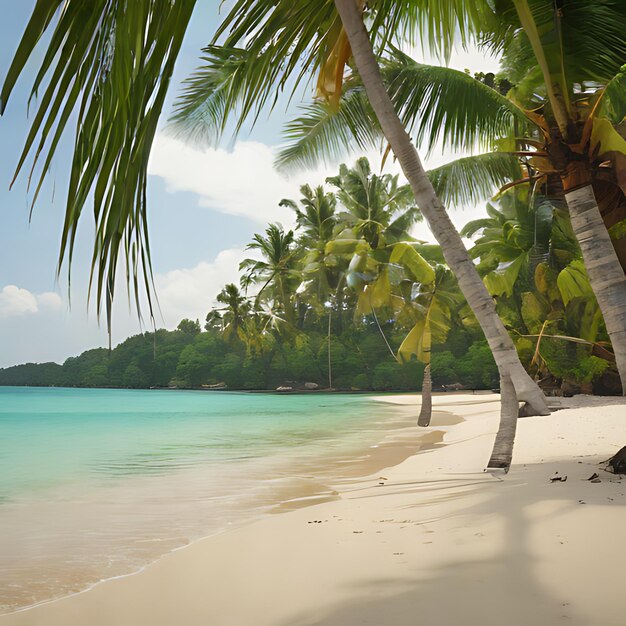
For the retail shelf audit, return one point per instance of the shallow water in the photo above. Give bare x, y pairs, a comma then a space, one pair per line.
97, 483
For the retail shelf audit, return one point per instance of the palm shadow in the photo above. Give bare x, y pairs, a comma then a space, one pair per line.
506, 585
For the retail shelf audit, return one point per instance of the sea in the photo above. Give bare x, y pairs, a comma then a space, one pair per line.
98, 483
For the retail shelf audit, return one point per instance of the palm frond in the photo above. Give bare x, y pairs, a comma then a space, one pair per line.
594, 45
440, 24
438, 104
267, 47
586, 38
470, 180
109, 65
323, 133
213, 93
613, 105
443, 106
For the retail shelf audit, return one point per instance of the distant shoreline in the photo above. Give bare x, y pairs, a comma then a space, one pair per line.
266, 391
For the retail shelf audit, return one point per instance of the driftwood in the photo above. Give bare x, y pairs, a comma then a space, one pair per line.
617, 463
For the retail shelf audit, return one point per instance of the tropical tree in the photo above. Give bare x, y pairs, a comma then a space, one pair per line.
276, 271
281, 39
560, 122
378, 214
233, 315
531, 263
322, 272
578, 144
511, 241
432, 208
430, 306
379, 209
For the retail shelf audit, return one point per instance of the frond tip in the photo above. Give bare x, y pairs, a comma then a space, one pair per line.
115, 87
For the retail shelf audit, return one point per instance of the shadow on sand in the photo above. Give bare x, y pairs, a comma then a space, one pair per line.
523, 579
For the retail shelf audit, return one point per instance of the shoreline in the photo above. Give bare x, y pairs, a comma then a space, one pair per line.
382, 532
290, 392
308, 483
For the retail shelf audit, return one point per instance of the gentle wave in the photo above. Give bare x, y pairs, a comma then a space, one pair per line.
94, 484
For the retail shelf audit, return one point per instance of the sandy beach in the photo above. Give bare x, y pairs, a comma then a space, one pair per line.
432, 540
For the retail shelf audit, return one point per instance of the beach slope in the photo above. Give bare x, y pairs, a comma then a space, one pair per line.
433, 541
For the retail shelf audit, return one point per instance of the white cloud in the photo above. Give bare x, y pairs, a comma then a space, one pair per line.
244, 182
15, 301
240, 182
50, 300
191, 292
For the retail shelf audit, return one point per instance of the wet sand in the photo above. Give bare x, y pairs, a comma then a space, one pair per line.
431, 539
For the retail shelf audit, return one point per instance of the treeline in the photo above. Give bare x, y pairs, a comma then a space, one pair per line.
190, 358
349, 300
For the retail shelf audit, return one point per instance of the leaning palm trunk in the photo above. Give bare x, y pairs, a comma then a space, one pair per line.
603, 267
438, 220
509, 408
427, 399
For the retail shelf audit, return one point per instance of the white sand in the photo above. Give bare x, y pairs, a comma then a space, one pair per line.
440, 543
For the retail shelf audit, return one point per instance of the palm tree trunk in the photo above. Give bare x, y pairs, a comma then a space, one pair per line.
606, 275
289, 312
438, 220
330, 361
427, 399
509, 409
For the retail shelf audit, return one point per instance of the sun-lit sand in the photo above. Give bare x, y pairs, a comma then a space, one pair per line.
433, 540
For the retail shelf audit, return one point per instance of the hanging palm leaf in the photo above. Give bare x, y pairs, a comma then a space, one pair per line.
108, 63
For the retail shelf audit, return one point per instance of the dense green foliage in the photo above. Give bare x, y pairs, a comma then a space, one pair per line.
360, 360
351, 281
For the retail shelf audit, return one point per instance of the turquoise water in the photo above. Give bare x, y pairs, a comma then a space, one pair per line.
97, 483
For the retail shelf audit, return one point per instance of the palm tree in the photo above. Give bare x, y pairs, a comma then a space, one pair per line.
276, 271
316, 220
575, 132
225, 93
560, 122
430, 307
234, 313
281, 39
322, 286
532, 264
378, 215
380, 211
431, 207
502, 452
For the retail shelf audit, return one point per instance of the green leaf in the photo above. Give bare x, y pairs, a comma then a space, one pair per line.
108, 65
323, 133
419, 269
501, 281
617, 231
534, 310
447, 107
345, 246
417, 343
613, 105
573, 282
605, 139
438, 105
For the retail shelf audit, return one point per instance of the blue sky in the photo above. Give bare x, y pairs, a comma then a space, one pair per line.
204, 206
